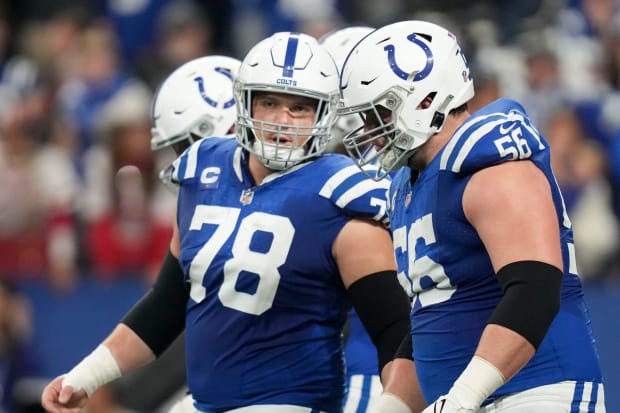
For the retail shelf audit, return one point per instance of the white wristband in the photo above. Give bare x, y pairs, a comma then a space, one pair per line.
477, 382
389, 403
98, 368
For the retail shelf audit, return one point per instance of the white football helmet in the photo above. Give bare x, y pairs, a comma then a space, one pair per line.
290, 63
195, 101
339, 43
396, 67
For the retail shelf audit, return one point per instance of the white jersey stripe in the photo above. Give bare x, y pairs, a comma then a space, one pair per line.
445, 156
535, 134
237, 163
332, 183
175, 171
358, 190
471, 140
192, 161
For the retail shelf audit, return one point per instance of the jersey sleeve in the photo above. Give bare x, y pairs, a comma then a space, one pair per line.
184, 170
351, 190
184, 167
501, 133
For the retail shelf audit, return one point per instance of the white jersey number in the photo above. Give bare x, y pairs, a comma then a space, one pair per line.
513, 145
420, 268
263, 264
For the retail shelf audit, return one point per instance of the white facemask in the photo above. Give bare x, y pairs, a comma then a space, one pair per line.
278, 157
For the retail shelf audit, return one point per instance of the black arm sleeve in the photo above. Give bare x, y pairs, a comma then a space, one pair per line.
405, 350
159, 316
532, 295
383, 307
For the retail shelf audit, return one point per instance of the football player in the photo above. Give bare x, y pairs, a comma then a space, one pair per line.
195, 101
273, 239
480, 232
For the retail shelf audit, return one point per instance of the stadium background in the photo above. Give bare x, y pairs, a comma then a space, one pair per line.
79, 242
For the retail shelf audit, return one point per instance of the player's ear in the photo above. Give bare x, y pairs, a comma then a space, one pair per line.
427, 101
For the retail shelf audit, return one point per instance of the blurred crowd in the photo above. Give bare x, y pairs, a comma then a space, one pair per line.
80, 195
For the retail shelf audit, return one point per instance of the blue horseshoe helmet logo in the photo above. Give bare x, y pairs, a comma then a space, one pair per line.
390, 49
201, 88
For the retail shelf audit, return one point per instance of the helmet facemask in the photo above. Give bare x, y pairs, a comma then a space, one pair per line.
293, 144
385, 142
291, 64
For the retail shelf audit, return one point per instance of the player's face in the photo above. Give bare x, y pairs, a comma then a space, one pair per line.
373, 122
283, 119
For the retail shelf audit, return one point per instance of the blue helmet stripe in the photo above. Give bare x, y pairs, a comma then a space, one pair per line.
203, 92
225, 72
291, 53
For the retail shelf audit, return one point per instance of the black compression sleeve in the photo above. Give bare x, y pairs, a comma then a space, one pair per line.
383, 307
159, 316
532, 295
405, 350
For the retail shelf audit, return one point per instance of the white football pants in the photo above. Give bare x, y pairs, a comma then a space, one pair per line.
563, 397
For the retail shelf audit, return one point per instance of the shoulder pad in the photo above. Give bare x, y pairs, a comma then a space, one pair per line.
498, 133
350, 189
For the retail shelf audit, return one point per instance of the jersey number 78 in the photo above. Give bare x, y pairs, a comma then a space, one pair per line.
263, 264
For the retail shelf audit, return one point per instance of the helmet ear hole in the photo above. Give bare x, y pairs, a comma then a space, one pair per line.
438, 119
425, 36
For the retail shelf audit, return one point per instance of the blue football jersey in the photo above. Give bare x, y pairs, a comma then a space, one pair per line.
360, 353
362, 372
267, 304
445, 267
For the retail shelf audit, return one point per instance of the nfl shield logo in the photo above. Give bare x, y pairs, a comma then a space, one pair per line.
246, 196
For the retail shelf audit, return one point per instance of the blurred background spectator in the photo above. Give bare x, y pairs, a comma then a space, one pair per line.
40, 187
84, 221
182, 33
126, 211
